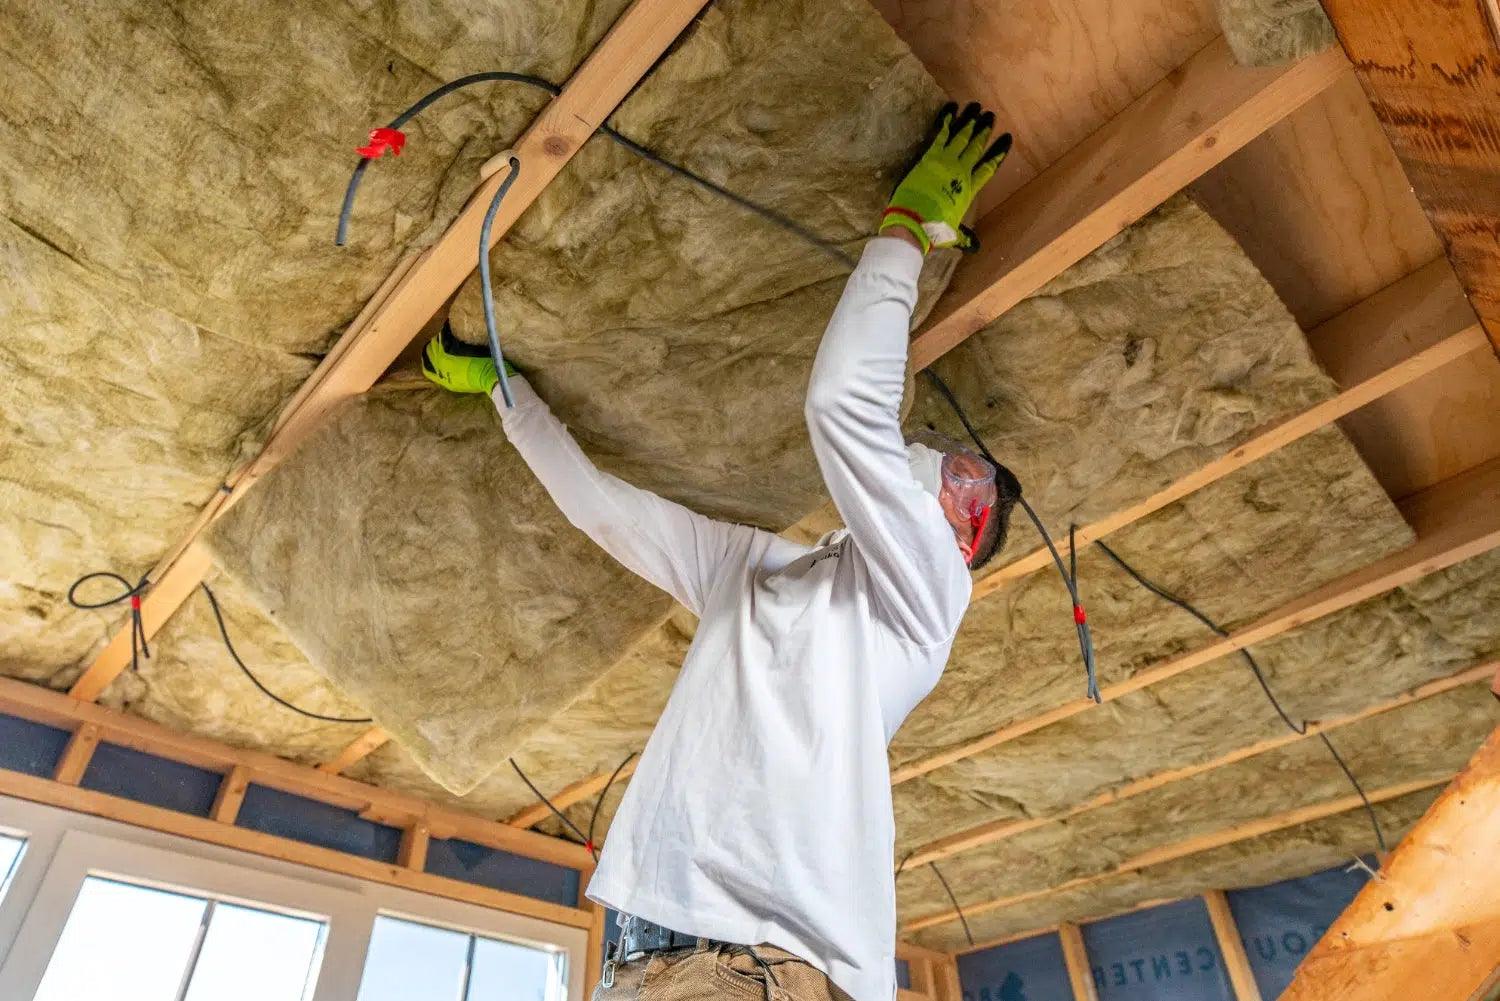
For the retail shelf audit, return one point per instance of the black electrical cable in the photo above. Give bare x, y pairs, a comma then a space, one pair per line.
594, 817
957, 909
1265, 686
582, 838
775, 218
213, 603
138, 646
1080, 620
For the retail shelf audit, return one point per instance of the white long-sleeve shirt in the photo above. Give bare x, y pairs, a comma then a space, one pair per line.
761, 808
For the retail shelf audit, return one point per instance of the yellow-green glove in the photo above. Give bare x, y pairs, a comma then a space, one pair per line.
931, 201
458, 366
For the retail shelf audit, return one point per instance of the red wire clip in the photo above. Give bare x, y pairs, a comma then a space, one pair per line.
135, 603
382, 139
1078, 615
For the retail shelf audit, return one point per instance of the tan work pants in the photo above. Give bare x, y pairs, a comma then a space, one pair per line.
720, 973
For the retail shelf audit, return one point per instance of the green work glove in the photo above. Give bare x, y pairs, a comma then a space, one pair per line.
460, 367
931, 201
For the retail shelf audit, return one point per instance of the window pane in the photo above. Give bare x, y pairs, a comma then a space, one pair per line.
123, 942
504, 971
413, 962
10, 860
253, 955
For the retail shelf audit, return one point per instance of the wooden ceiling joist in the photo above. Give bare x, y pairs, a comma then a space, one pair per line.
999, 830
1430, 926
1455, 520
1432, 73
629, 50
1193, 120
1190, 846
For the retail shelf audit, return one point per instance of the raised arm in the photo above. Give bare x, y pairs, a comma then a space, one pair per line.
919, 579
853, 411
678, 550
674, 548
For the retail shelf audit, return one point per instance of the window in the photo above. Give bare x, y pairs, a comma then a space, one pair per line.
135, 943
408, 961
11, 850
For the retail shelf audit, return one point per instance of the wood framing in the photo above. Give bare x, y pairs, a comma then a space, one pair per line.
1430, 927
1183, 849
231, 795
33, 702
999, 830
412, 852
637, 39
1198, 116
1076, 962
569, 795
1231, 947
1402, 333
1432, 73
186, 825
356, 750
76, 755
1454, 521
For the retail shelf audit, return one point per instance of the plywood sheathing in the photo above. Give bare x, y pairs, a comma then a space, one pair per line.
170, 194
407, 548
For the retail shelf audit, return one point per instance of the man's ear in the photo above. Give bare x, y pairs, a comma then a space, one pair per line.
996, 531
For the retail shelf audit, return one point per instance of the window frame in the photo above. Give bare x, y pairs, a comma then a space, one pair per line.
63, 848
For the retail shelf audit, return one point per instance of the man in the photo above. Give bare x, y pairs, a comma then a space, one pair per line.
753, 851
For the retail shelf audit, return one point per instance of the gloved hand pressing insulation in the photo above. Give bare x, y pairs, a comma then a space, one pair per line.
460, 367
934, 196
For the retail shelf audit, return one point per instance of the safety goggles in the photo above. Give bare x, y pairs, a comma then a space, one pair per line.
962, 480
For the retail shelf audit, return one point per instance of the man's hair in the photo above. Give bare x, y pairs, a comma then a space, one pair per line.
997, 529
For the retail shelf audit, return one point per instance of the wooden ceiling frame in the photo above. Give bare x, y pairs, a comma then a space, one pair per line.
999, 830
1397, 336
1189, 846
1394, 338
414, 293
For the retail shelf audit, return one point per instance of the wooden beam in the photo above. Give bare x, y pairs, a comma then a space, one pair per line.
1429, 928
1455, 520
636, 40
1406, 331
356, 750
76, 755
1201, 114
1183, 849
1076, 960
412, 852
155, 818
231, 795
999, 830
1432, 73
1231, 946
34, 702
569, 795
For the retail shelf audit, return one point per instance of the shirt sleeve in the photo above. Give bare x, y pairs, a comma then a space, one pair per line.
853, 412
676, 549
